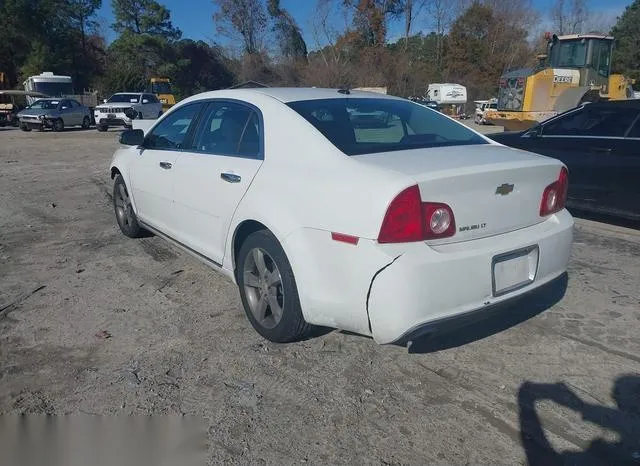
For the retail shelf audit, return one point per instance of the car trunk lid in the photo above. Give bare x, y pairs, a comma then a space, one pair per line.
491, 189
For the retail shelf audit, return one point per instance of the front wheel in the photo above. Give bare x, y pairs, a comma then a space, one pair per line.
102, 128
126, 217
25, 127
268, 289
58, 125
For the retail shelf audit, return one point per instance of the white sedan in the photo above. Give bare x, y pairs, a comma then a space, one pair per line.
358, 211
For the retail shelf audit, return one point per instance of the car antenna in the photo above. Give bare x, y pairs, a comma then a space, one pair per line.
344, 90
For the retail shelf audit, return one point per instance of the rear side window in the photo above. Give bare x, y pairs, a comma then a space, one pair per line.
171, 132
373, 125
228, 128
635, 131
592, 121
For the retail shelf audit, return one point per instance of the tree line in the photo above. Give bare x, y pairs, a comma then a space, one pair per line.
471, 42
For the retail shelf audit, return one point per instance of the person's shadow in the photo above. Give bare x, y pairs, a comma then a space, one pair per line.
623, 420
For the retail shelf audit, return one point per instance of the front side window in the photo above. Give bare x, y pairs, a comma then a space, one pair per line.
161, 87
124, 98
592, 121
45, 104
171, 132
372, 125
572, 54
228, 128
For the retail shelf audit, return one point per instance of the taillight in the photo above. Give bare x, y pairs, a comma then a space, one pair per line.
439, 221
408, 219
554, 196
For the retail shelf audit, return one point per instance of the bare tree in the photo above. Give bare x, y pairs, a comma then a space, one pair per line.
569, 16
412, 9
244, 18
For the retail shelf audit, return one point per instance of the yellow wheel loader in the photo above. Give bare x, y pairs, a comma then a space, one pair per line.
575, 70
161, 87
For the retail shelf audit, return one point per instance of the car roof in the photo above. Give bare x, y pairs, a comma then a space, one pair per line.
293, 94
629, 103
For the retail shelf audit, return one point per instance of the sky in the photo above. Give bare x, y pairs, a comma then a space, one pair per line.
194, 17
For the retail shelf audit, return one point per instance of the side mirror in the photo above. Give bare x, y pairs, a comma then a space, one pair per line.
132, 137
131, 113
535, 132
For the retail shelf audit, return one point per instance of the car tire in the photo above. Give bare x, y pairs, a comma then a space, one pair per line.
86, 122
125, 216
25, 128
102, 128
268, 289
58, 125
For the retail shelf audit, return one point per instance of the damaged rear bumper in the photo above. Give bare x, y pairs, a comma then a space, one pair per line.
432, 284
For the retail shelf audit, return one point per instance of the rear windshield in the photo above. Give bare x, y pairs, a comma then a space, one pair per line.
367, 126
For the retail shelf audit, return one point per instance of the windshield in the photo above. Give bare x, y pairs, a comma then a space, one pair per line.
572, 54
370, 125
161, 88
121, 98
53, 89
45, 104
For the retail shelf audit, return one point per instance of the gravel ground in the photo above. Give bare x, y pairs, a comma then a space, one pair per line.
93, 322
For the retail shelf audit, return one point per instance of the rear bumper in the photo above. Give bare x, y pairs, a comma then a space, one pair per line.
391, 291
428, 284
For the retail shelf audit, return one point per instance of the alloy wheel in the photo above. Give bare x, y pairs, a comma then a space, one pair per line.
263, 288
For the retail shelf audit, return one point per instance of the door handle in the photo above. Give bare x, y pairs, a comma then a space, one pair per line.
601, 150
165, 165
230, 177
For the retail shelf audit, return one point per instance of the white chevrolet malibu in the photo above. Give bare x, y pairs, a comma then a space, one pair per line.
358, 211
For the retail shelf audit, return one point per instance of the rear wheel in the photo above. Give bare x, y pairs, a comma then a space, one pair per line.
58, 125
86, 122
126, 217
268, 289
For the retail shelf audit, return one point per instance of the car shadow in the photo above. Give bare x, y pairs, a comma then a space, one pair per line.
459, 331
624, 420
603, 218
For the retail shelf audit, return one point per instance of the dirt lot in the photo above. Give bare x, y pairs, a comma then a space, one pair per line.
93, 322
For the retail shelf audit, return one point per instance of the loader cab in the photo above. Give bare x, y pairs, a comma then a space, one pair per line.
590, 54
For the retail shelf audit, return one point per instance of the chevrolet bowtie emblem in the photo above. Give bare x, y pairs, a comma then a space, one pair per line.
504, 189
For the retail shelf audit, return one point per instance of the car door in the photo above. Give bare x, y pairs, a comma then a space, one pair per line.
78, 111
214, 175
149, 107
627, 159
66, 112
153, 169
586, 141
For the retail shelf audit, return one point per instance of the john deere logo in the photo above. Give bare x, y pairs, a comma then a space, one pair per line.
504, 189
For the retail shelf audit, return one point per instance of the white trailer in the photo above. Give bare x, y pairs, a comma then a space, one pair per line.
58, 86
447, 93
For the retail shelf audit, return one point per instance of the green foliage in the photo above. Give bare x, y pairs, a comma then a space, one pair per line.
143, 17
288, 34
244, 18
49, 35
626, 56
